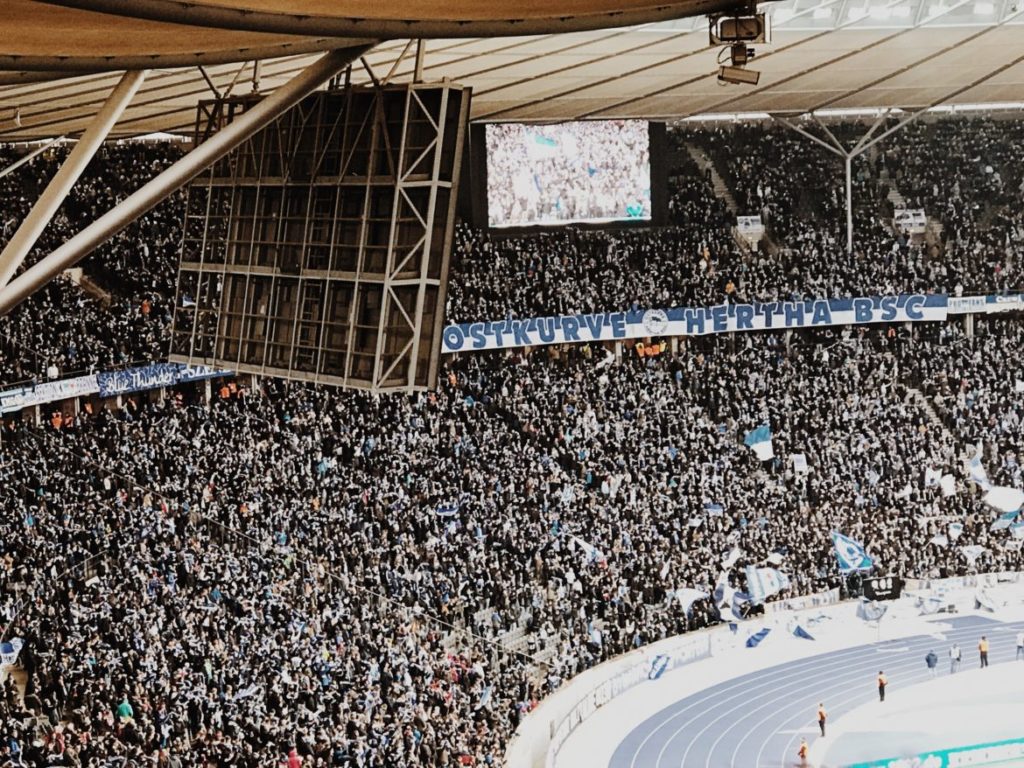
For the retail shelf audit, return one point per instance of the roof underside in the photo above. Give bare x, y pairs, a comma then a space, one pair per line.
835, 54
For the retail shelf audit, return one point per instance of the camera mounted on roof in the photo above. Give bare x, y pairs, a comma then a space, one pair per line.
742, 25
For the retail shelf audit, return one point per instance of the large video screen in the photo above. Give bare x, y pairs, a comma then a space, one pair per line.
590, 171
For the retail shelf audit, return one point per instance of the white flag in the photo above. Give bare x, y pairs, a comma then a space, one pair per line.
1004, 499
799, 463
948, 485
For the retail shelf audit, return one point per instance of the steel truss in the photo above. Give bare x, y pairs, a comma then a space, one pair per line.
319, 250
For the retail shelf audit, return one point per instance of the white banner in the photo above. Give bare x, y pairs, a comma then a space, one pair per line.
48, 392
693, 321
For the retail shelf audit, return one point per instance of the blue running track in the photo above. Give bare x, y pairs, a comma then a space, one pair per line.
756, 721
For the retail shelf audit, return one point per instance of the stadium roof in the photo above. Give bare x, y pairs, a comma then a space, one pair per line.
58, 63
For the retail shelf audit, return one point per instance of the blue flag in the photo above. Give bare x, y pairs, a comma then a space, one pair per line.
760, 441
658, 665
801, 632
1004, 521
764, 582
757, 637
850, 554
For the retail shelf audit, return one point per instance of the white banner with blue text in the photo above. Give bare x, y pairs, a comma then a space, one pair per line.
694, 321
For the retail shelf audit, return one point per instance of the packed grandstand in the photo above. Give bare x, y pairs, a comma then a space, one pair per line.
398, 580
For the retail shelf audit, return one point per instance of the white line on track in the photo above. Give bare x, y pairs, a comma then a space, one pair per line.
822, 663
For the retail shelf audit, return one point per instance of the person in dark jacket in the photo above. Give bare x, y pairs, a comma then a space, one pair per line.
932, 661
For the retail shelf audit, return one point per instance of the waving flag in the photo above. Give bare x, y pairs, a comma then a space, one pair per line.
713, 509
658, 666
955, 529
976, 470
931, 477
764, 582
723, 592
973, 552
687, 597
755, 639
542, 147
939, 540
850, 554
591, 553
730, 559
1004, 499
803, 633
948, 483
1004, 521
760, 441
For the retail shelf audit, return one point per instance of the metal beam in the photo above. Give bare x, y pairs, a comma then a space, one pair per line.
84, 65
30, 156
399, 60
421, 54
177, 175
807, 134
511, 19
209, 82
50, 200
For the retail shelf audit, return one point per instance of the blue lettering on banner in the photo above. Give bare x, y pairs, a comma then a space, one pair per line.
863, 310
454, 338
821, 314
912, 307
744, 317
888, 304
695, 321
594, 324
722, 318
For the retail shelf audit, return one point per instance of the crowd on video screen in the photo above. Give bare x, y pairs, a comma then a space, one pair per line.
583, 171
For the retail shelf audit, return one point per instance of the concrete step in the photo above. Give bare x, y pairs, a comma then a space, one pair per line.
917, 397
897, 200
87, 284
705, 163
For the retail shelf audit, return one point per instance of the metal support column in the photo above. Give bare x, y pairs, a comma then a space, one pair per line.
849, 203
62, 182
421, 52
194, 163
836, 147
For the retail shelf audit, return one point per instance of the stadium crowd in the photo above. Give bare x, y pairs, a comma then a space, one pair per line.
593, 170
64, 330
292, 575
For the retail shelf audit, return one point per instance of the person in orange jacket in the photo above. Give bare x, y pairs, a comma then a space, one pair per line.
822, 716
983, 651
802, 752
882, 682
